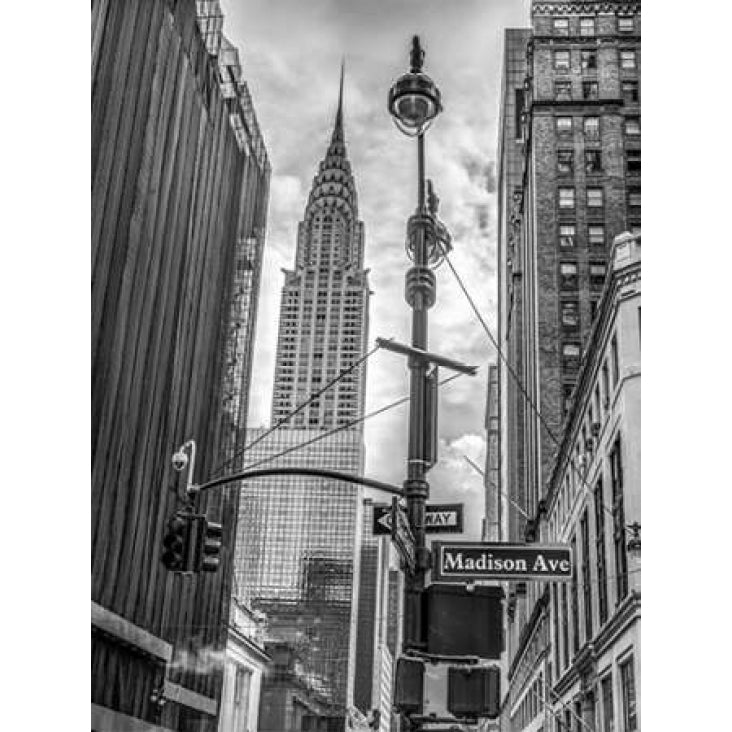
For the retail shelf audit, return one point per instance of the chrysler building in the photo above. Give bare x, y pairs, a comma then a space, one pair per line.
324, 309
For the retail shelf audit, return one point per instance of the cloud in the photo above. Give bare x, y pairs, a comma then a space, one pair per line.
291, 53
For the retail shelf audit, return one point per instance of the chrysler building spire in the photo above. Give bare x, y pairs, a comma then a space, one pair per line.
324, 314
338, 128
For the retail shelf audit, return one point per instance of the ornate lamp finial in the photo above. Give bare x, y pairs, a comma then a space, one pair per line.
416, 57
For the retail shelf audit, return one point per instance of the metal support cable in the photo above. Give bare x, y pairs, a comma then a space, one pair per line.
514, 375
350, 424
297, 409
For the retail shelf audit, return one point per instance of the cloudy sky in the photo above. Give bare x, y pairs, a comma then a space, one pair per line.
291, 53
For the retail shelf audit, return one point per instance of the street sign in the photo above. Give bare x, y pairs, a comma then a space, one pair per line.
443, 518
401, 533
461, 561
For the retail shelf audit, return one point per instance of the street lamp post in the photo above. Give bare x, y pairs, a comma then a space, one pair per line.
414, 102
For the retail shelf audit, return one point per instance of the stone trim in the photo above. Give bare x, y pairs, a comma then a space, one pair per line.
186, 697
104, 719
126, 631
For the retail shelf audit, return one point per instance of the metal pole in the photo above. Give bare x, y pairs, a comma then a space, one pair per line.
416, 487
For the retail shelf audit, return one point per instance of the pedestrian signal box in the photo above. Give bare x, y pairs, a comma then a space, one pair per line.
462, 622
474, 691
409, 686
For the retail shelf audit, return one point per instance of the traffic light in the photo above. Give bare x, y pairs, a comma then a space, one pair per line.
209, 550
474, 692
409, 686
176, 543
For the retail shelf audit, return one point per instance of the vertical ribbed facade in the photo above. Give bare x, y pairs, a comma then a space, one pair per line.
298, 551
177, 195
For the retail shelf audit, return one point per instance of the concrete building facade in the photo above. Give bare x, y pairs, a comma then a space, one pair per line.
179, 191
579, 665
245, 664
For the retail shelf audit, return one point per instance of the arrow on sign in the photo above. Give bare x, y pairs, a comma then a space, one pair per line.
443, 518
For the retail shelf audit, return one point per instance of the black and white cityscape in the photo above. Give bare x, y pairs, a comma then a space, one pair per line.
366, 347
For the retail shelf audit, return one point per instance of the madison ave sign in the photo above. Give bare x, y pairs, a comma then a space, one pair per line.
461, 561
443, 518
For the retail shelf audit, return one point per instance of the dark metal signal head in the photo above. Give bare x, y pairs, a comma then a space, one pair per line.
175, 543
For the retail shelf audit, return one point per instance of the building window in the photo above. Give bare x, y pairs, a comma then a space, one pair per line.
628, 60
587, 26
568, 275
564, 126
614, 360
594, 198
561, 26
242, 685
627, 684
566, 198
634, 196
518, 112
608, 713
570, 314
567, 234
632, 126
600, 552
565, 162
592, 128
629, 91
561, 60
566, 397
575, 603
619, 533
570, 356
596, 235
563, 90
590, 90
586, 578
593, 161
625, 24
597, 274
565, 627
588, 58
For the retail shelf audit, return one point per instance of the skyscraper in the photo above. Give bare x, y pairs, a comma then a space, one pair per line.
569, 182
180, 178
298, 549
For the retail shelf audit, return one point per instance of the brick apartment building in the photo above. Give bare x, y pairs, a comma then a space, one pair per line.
569, 183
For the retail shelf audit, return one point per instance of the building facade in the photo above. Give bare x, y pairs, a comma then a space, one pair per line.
177, 192
299, 542
569, 182
245, 664
589, 674
379, 603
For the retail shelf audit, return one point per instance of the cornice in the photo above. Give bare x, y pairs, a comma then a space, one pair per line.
560, 7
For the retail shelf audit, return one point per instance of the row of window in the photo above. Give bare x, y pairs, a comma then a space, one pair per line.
593, 161
591, 126
592, 568
568, 235
627, 59
568, 277
595, 197
563, 90
588, 26
602, 715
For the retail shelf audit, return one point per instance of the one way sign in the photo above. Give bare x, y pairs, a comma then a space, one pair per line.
443, 518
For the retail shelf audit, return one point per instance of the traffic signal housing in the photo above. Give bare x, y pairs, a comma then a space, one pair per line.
177, 555
209, 548
409, 686
474, 691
